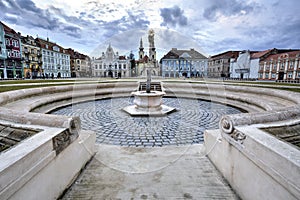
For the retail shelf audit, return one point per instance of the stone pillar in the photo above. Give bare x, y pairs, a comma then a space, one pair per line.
264, 71
285, 70
295, 68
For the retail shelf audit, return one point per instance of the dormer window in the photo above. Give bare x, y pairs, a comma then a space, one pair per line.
56, 48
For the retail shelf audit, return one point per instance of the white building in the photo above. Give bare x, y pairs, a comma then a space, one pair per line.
245, 66
56, 61
110, 64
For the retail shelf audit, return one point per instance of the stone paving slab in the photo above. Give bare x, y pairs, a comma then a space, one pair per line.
150, 173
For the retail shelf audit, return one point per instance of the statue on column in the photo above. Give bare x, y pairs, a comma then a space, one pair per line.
151, 38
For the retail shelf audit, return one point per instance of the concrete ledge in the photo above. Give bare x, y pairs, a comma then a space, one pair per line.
23, 167
261, 167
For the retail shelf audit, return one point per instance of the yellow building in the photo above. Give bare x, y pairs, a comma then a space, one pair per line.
32, 58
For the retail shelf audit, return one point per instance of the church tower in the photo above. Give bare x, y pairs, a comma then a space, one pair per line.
141, 52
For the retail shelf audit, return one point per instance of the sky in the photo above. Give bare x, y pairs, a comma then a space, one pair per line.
209, 26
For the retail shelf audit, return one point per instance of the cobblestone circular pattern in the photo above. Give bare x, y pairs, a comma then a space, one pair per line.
112, 125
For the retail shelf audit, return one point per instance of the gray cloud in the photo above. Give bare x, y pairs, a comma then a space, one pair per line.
173, 16
227, 8
27, 14
72, 31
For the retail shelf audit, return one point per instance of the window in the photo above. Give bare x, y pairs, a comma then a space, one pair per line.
7, 41
18, 55
290, 75
282, 66
291, 66
124, 66
267, 76
274, 66
13, 54
273, 75
55, 48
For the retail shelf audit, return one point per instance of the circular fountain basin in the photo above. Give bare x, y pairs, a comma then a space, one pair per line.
148, 104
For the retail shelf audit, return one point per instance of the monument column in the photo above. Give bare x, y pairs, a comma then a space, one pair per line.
152, 52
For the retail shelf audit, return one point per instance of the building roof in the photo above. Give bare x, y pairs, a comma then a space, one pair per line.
10, 31
145, 59
75, 55
266, 53
291, 54
43, 44
225, 55
176, 53
261, 53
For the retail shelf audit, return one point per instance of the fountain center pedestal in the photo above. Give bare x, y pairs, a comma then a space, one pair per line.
148, 104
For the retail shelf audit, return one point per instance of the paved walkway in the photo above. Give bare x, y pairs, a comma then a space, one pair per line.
172, 172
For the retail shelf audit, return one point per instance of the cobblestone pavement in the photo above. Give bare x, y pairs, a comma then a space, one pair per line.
114, 126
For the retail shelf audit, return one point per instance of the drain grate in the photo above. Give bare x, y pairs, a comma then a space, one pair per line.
10, 136
289, 134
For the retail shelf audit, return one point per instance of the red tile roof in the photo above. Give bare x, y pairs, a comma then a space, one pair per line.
225, 55
261, 53
43, 44
9, 30
291, 54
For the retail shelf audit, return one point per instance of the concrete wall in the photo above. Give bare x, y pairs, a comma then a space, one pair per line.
34, 169
259, 167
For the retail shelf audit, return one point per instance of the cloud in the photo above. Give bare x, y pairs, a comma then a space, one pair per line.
72, 31
227, 8
173, 16
28, 15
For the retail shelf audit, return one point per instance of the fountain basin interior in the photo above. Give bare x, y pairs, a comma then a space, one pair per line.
148, 104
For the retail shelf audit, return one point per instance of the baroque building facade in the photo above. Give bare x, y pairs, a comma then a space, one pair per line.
110, 64
32, 57
281, 66
11, 64
219, 65
55, 60
183, 63
80, 64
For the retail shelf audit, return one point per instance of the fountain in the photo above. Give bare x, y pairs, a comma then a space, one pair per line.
147, 102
